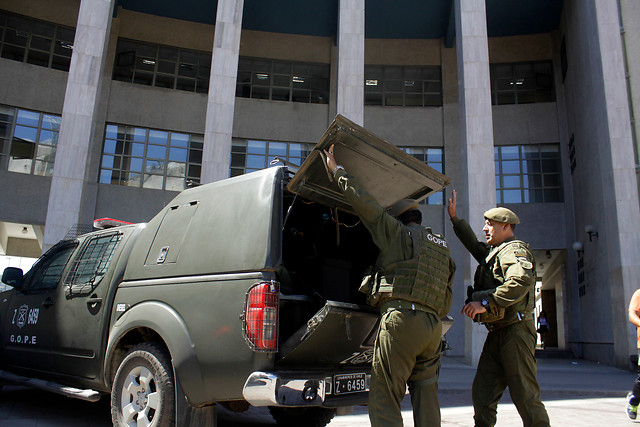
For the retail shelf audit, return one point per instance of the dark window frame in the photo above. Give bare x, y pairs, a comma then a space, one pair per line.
288, 81
34, 41
522, 82
403, 86
530, 173
163, 66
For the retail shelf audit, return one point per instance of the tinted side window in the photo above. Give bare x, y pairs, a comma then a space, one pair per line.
46, 274
90, 266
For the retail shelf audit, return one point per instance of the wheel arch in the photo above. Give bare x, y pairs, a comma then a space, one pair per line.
158, 322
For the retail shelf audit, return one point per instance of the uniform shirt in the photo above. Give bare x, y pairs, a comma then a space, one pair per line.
513, 270
634, 305
389, 234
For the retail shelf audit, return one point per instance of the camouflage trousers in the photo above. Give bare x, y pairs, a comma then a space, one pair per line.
507, 360
407, 351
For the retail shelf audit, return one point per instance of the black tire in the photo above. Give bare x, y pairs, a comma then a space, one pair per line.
314, 416
144, 387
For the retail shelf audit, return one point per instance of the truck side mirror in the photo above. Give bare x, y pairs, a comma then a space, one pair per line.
13, 276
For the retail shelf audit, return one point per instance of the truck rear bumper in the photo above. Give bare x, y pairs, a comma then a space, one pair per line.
300, 389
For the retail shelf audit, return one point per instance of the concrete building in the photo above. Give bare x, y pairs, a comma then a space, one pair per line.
109, 107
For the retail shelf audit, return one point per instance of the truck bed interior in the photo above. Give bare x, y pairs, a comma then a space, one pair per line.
325, 255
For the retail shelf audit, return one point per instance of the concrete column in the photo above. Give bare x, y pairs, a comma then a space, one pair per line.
453, 169
350, 102
78, 112
630, 21
222, 91
476, 137
621, 229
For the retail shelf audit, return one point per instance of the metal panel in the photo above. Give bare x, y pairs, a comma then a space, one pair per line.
236, 227
387, 172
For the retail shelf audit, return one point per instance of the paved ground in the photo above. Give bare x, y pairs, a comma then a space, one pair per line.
575, 392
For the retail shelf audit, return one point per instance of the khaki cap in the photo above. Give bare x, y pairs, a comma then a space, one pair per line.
402, 206
502, 215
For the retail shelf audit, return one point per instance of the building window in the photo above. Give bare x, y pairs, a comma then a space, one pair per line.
250, 155
150, 158
162, 66
433, 157
35, 42
528, 173
402, 86
28, 140
283, 81
522, 83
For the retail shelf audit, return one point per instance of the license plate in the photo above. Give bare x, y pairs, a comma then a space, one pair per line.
349, 383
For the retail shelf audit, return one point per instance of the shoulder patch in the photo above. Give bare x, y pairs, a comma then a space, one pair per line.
524, 262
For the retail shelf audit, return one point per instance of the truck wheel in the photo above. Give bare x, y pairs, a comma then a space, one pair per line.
143, 388
309, 417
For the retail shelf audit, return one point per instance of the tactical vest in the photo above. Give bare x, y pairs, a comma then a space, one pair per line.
422, 279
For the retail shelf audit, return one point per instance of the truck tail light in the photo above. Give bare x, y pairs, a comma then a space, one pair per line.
260, 317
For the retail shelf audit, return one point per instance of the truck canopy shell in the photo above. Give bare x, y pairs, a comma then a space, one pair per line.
227, 226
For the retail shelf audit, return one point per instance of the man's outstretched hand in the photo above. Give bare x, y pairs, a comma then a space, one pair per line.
451, 207
331, 160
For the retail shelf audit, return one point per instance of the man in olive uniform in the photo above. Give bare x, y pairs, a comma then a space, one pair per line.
502, 299
412, 289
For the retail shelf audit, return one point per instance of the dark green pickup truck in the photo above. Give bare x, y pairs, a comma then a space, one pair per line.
240, 292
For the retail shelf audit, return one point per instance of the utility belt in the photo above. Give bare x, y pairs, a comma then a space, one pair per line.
399, 304
520, 316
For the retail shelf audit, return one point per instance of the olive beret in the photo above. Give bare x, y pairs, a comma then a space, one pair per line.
402, 206
502, 215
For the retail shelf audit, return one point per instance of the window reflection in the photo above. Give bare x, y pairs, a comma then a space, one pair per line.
528, 173
28, 140
253, 155
150, 158
433, 157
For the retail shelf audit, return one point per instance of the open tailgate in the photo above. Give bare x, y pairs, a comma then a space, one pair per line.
387, 172
339, 333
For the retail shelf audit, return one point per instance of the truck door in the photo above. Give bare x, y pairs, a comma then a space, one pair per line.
82, 314
29, 313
